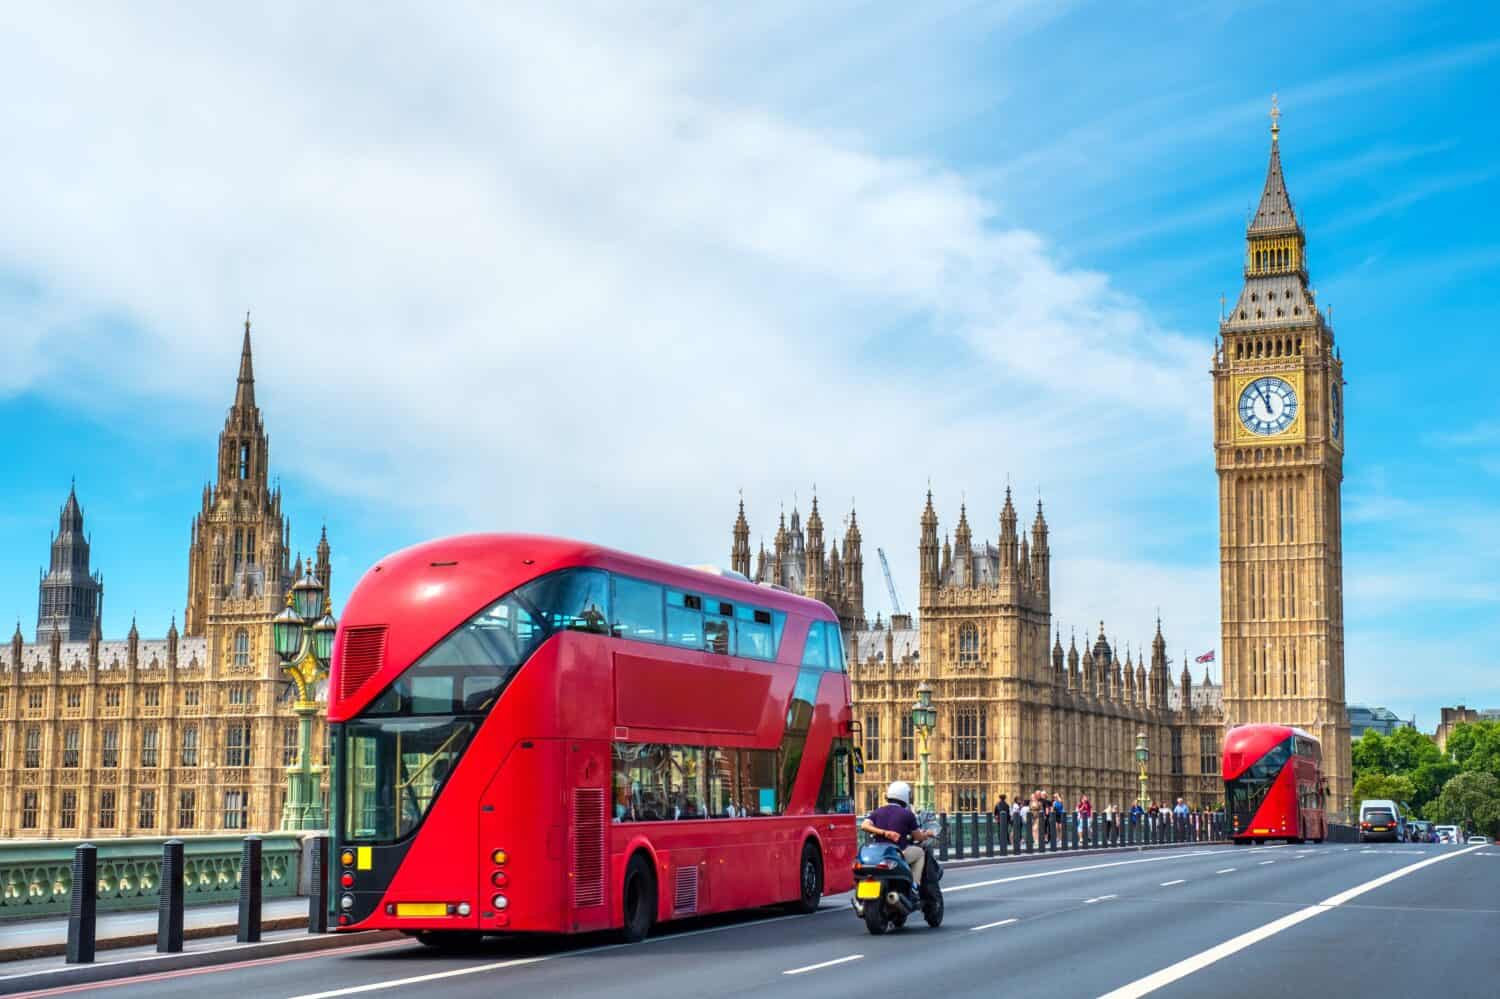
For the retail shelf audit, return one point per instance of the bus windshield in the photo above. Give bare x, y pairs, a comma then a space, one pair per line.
1248, 791
394, 758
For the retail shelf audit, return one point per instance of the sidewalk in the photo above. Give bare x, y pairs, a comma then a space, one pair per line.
126, 963
35, 938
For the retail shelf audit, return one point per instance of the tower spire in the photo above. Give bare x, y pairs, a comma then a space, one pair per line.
244, 390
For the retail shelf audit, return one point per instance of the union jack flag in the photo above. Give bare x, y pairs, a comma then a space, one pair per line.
1207, 657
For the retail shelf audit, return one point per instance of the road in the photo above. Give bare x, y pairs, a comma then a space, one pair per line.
1226, 921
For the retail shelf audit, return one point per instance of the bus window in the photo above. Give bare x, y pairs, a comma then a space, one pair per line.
638, 610
686, 778
835, 647
718, 629
718, 769
757, 783
815, 652
753, 632
684, 621
571, 600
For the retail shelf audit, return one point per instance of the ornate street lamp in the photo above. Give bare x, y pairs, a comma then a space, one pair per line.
303, 636
924, 720
1142, 754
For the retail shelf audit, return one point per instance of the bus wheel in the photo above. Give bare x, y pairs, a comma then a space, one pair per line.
640, 899
810, 880
451, 941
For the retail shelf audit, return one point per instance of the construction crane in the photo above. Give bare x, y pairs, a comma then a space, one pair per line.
890, 584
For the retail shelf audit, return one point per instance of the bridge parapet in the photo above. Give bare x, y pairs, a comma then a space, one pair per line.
35, 878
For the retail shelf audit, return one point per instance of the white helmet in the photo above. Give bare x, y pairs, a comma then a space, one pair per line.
899, 791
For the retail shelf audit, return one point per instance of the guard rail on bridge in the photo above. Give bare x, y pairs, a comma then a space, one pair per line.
36, 878
986, 834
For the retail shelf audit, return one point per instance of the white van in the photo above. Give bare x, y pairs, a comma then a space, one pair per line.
1446, 834
1380, 818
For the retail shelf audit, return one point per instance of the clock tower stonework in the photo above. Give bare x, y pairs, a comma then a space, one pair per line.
1279, 451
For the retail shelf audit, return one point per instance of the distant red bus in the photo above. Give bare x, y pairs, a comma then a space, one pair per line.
532, 734
1273, 784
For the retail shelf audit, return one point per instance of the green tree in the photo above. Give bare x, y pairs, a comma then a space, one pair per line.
1369, 754
1475, 746
1472, 800
1393, 786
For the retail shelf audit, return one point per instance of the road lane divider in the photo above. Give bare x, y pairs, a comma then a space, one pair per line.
1168, 884
991, 926
1187, 966
1227, 870
1265, 862
824, 964
1099, 898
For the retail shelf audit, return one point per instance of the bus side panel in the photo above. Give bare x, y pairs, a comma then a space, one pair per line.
590, 897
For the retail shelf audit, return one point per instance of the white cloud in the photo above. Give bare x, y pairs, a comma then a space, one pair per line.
560, 271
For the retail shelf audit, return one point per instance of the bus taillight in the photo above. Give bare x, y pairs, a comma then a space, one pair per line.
499, 879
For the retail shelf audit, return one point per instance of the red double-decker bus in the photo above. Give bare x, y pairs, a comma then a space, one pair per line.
532, 734
1273, 784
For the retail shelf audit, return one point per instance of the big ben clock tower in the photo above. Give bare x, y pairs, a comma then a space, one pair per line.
1279, 450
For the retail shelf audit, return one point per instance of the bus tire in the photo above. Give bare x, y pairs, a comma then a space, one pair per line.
809, 880
638, 900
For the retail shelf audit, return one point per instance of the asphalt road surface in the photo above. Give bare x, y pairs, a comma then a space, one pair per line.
1327, 920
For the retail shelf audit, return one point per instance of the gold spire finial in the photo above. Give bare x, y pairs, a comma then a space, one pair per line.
1275, 119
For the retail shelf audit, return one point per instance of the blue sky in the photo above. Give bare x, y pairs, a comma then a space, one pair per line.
595, 272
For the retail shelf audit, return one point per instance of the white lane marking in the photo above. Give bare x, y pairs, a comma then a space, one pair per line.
1265, 862
1168, 884
1086, 867
991, 926
1227, 870
418, 979
1171, 973
824, 964
1100, 898
395, 983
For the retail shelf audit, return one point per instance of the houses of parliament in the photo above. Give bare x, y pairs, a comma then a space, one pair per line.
188, 733
1019, 711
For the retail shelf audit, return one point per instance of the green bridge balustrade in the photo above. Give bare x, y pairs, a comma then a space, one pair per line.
36, 877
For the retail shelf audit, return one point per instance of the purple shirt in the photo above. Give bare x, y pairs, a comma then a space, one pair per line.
896, 818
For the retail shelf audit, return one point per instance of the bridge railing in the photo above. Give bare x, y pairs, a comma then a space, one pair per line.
967, 835
36, 878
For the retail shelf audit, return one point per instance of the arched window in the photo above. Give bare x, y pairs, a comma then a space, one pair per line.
244, 461
968, 644
242, 648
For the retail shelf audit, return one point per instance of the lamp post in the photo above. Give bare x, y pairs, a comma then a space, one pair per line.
304, 642
1142, 754
923, 721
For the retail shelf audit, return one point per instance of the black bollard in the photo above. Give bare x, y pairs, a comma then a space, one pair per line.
83, 900
943, 837
317, 887
1004, 833
249, 927
989, 834
169, 899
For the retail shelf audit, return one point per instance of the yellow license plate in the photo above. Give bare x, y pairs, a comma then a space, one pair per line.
1378, 829
867, 889
421, 908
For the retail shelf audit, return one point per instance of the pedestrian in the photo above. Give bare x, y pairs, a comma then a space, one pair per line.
1085, 816
1059, 819
1180, 813
1002, 808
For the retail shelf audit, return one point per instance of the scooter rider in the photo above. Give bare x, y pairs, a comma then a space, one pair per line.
895, 821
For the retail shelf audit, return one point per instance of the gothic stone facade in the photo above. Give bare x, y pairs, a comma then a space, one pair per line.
187, 734
1279, 451
1013, 715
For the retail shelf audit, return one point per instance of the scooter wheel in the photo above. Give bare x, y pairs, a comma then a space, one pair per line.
875, 919
933, 912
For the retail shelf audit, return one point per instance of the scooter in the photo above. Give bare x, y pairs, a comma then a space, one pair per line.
883, 895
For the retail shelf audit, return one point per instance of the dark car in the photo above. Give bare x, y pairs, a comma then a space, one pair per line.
1379, 823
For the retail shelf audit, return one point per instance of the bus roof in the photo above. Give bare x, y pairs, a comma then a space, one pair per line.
419, 594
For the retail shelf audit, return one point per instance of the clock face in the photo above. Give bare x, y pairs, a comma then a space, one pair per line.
1268, 406
1338, 413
